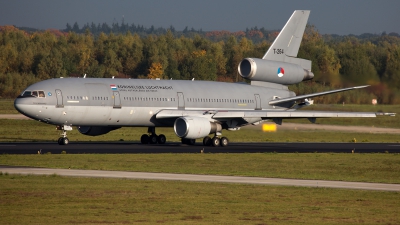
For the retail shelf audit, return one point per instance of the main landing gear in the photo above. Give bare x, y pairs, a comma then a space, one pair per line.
152, 137
215, 141
63, 140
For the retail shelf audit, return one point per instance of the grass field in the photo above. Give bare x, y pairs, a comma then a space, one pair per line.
62, 200
7, 106
324, 166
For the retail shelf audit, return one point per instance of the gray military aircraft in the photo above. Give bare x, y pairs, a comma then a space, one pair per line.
195, 109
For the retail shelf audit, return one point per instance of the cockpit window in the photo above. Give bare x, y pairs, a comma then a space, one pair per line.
27, 94
37, 94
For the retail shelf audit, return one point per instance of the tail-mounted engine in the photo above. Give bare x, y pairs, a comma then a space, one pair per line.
195, 127
274, 71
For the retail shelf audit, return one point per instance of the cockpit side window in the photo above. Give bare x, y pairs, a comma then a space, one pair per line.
37, 94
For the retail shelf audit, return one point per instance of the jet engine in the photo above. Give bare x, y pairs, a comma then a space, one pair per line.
274, 71
195, 127
95, 131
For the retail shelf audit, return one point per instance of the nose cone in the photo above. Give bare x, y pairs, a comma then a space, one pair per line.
24, 106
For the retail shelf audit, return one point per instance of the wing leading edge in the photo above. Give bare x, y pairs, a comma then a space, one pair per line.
263, 114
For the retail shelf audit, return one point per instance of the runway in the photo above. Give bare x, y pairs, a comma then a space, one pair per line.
134, 147
201, 178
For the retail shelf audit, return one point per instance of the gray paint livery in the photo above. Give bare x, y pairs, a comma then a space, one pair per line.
194, 108
92, 101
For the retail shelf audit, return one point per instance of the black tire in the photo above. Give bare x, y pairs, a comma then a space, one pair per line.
64, 141
191, 141
224, 142
59, 141
206, 141
153, 139
215, 141
188, 141
161, 139
144, 139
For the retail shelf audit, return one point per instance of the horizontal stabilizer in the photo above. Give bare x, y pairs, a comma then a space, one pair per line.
301, 97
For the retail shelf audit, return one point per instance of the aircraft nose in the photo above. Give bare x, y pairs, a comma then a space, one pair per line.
22, 106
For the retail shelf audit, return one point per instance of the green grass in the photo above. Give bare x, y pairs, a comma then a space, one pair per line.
64, 200
322, 166
7, 106
28, 130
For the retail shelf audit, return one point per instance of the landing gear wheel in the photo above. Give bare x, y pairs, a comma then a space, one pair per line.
65, 141
224, 142
191, 141
59, 141
188, 141
215, 141
161, 139
207, 141
144, 139
153, 139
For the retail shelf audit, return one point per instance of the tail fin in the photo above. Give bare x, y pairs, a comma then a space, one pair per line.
287, 43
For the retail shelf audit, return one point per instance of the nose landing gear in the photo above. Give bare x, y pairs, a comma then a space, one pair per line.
63, 140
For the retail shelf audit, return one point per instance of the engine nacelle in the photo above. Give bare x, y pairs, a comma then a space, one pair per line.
195, 127
273, 71
95, 131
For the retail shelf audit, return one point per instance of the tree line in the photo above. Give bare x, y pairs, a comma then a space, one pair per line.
28, 57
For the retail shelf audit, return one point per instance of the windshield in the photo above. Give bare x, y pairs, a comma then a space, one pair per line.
37, 94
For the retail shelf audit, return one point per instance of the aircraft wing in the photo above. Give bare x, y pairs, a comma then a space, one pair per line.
295, 98
263, 114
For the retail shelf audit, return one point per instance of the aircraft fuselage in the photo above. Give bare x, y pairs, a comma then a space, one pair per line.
134, 102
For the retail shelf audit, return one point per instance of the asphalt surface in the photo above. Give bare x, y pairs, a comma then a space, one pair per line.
132, 147
201, 178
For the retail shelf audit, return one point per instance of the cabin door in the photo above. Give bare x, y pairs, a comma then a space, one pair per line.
258, 101
181, 101
59, 97
117, 99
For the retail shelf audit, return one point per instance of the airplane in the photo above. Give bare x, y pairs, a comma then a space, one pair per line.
195, 109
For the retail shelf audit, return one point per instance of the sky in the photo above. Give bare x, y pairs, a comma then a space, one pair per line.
341, 17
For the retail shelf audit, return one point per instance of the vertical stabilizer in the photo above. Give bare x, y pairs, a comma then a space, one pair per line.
287, 43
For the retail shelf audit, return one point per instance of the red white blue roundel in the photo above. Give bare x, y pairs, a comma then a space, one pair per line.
280, 72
